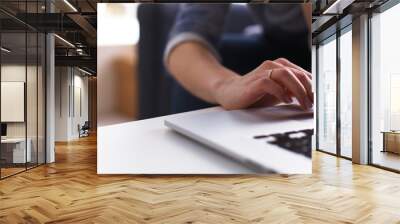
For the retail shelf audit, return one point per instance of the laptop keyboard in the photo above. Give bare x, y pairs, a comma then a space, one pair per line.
294, 141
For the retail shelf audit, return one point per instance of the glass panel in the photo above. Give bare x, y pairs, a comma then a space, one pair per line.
314, 74
346, 94
23, 90
77, 110
31, 100
385, 87
327, 96
13, 90
41, 62
31, 88
41, 98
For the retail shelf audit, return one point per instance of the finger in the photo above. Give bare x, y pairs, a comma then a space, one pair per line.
267, 86
306, 81
306, 101
261, 71
266, 67
286, 78
287, 63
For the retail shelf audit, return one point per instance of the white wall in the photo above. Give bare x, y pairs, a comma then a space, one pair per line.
13, 101
80, 83
62, 81
12, 73
67, 115
33, 126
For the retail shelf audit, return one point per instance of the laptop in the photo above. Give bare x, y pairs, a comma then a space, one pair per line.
268, 140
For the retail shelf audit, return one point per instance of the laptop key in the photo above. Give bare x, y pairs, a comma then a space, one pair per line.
259, 136
294, 141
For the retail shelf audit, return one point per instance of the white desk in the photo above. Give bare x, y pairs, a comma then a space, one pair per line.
148, 147
18, 149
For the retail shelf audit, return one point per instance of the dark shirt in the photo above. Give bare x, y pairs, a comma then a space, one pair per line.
204, 23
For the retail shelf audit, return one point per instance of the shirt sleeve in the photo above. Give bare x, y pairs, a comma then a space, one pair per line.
202, 23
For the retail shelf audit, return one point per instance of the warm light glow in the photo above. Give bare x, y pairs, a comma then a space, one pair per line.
84, 71
70, 5
117, 24
337, 7
65, 41
5, 50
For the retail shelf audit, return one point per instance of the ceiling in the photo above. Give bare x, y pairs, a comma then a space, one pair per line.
329, 16
74, 21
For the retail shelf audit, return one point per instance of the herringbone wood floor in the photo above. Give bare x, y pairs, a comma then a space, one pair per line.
69, 191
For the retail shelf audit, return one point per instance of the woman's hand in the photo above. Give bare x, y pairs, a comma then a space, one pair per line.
268, 84
198, 70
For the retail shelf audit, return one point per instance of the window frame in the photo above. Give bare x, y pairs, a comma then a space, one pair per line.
347, 27
27, 29
378, 10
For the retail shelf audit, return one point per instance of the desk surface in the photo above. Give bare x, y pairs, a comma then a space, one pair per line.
148, 147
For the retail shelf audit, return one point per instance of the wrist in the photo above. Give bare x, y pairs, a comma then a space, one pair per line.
221, 86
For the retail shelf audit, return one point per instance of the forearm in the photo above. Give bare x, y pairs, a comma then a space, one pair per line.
197, 69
